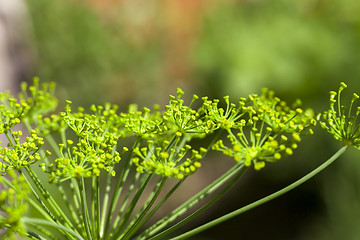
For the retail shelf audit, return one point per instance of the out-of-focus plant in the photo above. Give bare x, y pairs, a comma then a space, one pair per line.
285, 46
100, 50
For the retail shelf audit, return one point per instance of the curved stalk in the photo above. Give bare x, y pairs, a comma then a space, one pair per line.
51, 224
263, 200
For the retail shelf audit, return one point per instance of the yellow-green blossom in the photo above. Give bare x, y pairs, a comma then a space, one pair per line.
342, 122
168, 163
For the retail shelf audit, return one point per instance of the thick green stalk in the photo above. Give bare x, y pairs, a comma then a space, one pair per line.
263, 200
39, 209
33, 235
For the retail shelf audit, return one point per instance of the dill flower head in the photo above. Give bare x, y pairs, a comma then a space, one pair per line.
168, 160
218, 117
39, 99
10, 111
31, 104
21, 154
95, 147
144, 124
182, 119
268, 131
342, 121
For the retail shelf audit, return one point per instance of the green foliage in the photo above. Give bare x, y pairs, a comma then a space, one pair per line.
285, 46
84, 52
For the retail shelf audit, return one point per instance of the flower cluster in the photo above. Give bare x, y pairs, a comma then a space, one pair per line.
13, 198
31, 103
89, 143
260, 129
40, 100
95, 149
10, 111
166, 160
217, 117
268, 130
279, 116
340, 122
167, 133
182, 119
28, 106
46, 125
143, 124
19, 155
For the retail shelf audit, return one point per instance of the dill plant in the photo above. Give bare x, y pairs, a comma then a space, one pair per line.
107, 169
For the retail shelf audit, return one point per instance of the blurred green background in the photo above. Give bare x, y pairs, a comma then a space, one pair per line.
140, 51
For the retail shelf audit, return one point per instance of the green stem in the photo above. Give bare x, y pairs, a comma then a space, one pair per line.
53, 145
10, 139
51, 224
40, 209
135, 224
119, 188
119, 216
95, 206
263, 200
105, 202
85, 211
62, 217
133, 203
201, 209
105, 206
69, 206
76, 198
33, 235
153, 211
43, 205
190, 203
